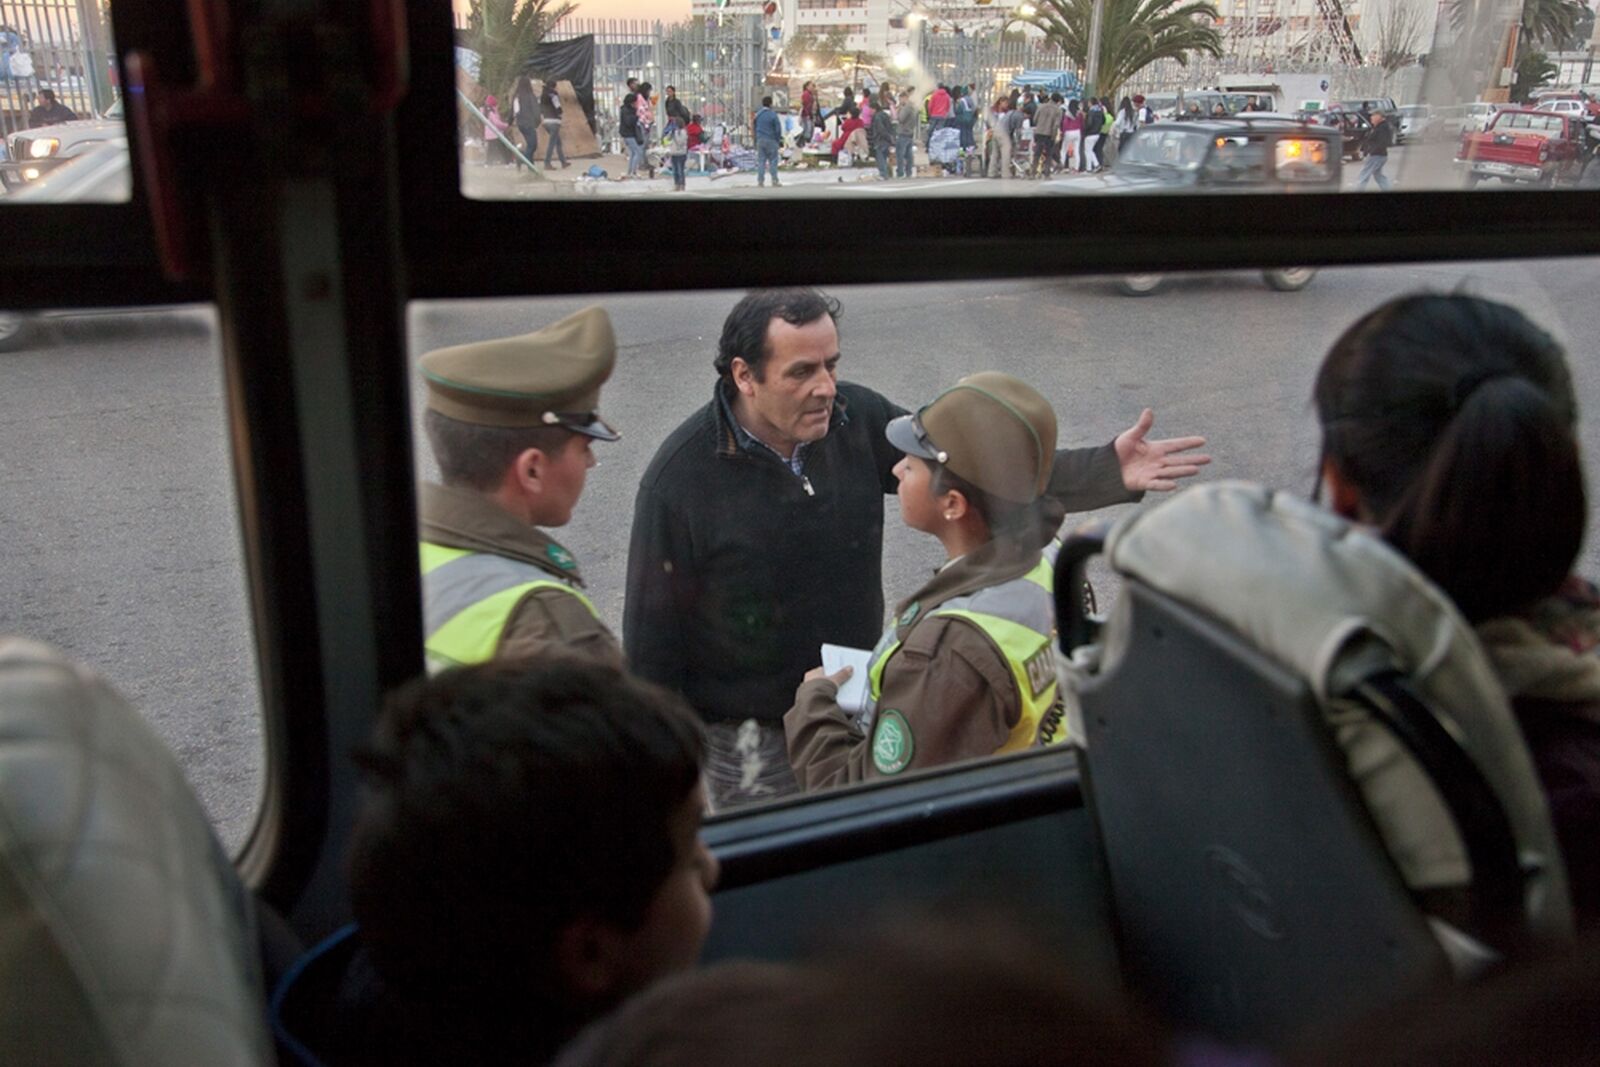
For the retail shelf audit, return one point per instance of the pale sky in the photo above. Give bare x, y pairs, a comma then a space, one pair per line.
662, 10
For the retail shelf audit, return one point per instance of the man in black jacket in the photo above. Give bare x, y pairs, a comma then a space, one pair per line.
1377, 149
758, 530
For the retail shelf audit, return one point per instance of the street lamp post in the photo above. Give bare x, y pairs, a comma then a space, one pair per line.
1091, 65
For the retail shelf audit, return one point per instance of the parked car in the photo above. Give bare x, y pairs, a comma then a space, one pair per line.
1417, 125
31, 154
1365, 107
1582, 110
1458, 118
1525, 145
98, 173
1353, 127
1247, 153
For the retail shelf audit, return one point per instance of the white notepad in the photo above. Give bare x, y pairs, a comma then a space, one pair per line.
853, 693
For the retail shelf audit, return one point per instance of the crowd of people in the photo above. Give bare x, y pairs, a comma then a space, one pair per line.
1448, 430
1025, 132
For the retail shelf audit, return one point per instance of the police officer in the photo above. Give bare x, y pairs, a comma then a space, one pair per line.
967, 667
510, 423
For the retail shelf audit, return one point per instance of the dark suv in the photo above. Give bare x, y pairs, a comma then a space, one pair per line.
1366, 107
1245, 153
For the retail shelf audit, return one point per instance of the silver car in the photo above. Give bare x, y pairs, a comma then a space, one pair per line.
1416, 126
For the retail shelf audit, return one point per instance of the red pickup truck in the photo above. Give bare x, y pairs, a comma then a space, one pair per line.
1524, 145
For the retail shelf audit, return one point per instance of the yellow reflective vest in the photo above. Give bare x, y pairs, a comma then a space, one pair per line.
467, 598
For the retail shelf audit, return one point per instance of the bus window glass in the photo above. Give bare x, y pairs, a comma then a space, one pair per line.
652, 98
121, 529
1098, 356
60, 105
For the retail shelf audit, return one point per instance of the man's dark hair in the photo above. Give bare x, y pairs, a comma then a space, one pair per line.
476, 457
766, 101
1453, 417
744, 331
504, 802
47, 95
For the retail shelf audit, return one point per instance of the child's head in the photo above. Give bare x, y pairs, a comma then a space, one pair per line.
981, 451
529, 842
1447, 422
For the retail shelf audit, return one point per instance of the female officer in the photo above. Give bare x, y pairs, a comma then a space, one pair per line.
967, 666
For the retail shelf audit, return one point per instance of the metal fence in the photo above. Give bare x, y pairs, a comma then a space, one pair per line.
990, 64
60, 45
987, 61
718, 66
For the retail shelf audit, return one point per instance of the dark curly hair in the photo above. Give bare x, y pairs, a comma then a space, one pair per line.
505, 801
744, 331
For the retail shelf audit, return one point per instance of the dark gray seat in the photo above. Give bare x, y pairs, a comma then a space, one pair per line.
1268, 776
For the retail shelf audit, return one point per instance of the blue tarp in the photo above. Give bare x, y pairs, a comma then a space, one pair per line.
1057, 81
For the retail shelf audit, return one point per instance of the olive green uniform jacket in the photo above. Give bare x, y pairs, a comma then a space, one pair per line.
546, 621
948, 680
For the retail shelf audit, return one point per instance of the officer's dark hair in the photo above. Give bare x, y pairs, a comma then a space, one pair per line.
476, 457
503, 802
744, 331
1453, 418
1006, 519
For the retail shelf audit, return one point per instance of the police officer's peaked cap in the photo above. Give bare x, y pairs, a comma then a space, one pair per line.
550, 377
989, 428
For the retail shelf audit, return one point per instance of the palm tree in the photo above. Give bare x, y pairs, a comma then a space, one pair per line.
1551, 20
504, 33
1542, 20
1133, 33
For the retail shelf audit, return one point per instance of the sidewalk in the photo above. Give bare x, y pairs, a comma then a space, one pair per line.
480, 182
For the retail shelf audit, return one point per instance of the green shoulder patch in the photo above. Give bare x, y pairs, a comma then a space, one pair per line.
561, 558
892, 745
910, 613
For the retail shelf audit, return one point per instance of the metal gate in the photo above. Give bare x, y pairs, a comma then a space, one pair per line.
718, 68
60, 45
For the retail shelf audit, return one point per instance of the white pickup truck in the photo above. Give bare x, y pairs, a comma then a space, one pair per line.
31, 154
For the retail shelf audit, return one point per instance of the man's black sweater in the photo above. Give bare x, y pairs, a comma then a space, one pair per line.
738, 570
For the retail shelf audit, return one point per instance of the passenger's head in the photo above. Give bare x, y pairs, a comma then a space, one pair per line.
934, 994
976, 458
528, 845
780, 353
513, 418
1447, 422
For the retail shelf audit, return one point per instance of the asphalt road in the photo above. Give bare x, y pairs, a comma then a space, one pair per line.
117, 513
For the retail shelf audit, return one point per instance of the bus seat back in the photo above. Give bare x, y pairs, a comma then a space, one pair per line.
1251, 893
125, 936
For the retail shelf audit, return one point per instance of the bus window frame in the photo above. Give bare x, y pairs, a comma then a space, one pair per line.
429, 242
